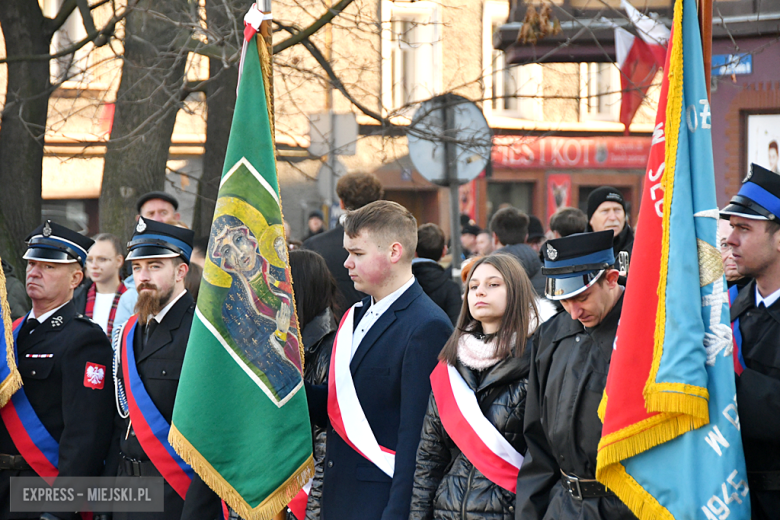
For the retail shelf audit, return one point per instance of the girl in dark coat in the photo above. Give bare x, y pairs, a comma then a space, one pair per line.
316, 296
487, 350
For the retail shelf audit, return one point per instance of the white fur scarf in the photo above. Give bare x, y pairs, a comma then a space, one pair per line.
476, 353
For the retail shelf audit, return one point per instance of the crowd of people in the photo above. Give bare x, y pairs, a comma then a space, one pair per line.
477, 402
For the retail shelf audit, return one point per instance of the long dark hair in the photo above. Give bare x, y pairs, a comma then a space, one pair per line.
192, 280
314, 287
520, 312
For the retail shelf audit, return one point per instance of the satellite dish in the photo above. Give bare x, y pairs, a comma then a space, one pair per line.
455, 120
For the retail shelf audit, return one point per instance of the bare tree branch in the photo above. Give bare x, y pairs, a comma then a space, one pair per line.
66, 9
53, 24
100, 38
313, 28
335, 81
298, 36
86, 16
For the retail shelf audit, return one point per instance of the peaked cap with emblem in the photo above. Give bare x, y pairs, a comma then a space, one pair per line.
154, 239
51, 242
758, 198
574, 263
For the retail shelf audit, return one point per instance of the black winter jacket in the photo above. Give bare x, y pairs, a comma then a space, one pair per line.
624, 241
529, 259
447, 486
317, 336
439, 287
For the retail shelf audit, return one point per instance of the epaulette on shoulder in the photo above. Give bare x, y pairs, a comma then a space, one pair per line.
82, 317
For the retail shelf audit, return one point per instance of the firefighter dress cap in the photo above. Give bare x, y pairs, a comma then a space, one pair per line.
57, 244
574, 263
758, 198
153, 239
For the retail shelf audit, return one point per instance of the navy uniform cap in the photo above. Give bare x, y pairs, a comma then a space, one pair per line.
51, 242
574, 263
154, 239
758, 197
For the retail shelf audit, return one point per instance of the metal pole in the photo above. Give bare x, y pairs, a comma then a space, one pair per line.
329, 102
705, 25
451, 174
332, 154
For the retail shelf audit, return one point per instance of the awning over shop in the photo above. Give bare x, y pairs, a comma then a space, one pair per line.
587, 33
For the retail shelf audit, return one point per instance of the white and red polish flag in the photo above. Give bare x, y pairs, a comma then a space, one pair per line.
638, 59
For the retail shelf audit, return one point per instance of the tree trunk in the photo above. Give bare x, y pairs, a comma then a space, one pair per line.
149, 96
23, 126
220, 103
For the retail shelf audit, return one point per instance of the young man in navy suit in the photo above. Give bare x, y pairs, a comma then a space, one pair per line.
384, 353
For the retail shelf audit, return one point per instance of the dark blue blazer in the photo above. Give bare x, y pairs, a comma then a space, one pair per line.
391, 370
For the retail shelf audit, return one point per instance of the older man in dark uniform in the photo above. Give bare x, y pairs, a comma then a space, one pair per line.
754, 214
64, 360
149, 351
571, 354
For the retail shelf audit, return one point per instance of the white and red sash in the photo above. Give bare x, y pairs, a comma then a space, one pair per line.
344, 410
470, 430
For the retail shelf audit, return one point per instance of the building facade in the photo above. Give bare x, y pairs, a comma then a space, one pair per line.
744, 98
553, 105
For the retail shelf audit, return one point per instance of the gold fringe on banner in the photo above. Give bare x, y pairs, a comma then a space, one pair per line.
601, 411
640, 502
268, 508
13, 382
640, 437
266, 67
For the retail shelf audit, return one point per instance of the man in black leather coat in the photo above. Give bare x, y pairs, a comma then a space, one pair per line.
755, 243
570, 360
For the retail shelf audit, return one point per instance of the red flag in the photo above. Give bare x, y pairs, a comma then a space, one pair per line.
638, 66
638, 60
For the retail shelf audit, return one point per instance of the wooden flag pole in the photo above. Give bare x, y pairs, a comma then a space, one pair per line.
266, 31
705, 25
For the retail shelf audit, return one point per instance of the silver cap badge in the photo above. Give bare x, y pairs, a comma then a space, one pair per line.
141, 227
552, 253
47, 229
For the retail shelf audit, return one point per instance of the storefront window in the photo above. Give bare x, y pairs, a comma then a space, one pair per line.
502, 194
